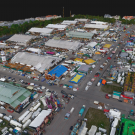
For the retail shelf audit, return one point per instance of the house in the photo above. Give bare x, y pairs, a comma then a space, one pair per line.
107, 16
128, 17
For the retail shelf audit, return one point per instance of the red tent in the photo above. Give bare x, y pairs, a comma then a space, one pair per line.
109, 58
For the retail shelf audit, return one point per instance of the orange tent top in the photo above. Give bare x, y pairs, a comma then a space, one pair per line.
103, 81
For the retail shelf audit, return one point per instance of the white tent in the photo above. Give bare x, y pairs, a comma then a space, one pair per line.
69, 22
43, 31
40, 118
92, 44
95, 26
56, 26
34, 50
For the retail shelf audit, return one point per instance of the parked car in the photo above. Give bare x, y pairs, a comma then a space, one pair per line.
4, 114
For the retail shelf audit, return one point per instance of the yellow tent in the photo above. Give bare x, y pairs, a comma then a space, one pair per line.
107, 46
80, 53
97, 53
89, 61
79, 59
30, 87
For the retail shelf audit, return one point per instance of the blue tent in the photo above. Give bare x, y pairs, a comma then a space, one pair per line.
58, 102
130, 44
58, 71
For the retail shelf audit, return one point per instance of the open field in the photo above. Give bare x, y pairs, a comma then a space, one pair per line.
98, 118
110, 88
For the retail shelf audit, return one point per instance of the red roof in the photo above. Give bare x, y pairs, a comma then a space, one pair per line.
49, 16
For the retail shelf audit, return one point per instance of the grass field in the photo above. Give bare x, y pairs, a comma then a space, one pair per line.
98, 118
110, 88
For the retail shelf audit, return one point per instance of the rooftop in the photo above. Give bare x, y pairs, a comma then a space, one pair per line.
12, 95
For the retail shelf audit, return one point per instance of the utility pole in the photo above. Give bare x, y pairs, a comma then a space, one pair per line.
63, 12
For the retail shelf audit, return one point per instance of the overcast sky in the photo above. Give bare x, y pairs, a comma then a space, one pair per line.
16, 9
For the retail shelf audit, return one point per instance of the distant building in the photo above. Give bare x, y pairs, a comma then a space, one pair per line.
128, 17
48, 17
116, 17
107, 16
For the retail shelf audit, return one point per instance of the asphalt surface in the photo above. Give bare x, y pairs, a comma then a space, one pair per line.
60, 126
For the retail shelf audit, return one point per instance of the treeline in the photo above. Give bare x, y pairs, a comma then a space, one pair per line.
23, 28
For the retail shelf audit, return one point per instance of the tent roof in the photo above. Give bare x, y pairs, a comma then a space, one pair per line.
123, 54
84, 68
34, 49
96, 26
81, 20
92, 44
79, 34
20, 39
40, 118
68, 22
107, 46
58, 71
63, 44
41, 30
56, 26
41, 62
89, 61
77, 78
12, 95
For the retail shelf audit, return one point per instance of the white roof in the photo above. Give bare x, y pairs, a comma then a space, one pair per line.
41, 30
34, 50
92, 130
40, 62
98, 22
56, 26
92, 44
20, 39
69, 22
81, 20
95, 26
40, 118
63, 44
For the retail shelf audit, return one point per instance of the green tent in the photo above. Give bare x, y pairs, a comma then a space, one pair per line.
86, 55
123, 50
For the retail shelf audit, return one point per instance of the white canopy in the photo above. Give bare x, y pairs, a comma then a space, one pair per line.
40, 118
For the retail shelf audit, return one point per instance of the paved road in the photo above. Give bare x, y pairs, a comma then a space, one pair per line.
59, 126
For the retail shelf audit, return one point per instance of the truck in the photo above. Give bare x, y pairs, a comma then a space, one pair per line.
82, 110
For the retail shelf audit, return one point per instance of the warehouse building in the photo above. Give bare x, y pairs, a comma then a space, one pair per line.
56, 26
35, 61
79, 34
41, 31
16, 97
75, 45
20, 39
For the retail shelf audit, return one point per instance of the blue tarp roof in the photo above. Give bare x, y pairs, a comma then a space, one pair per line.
58, 71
